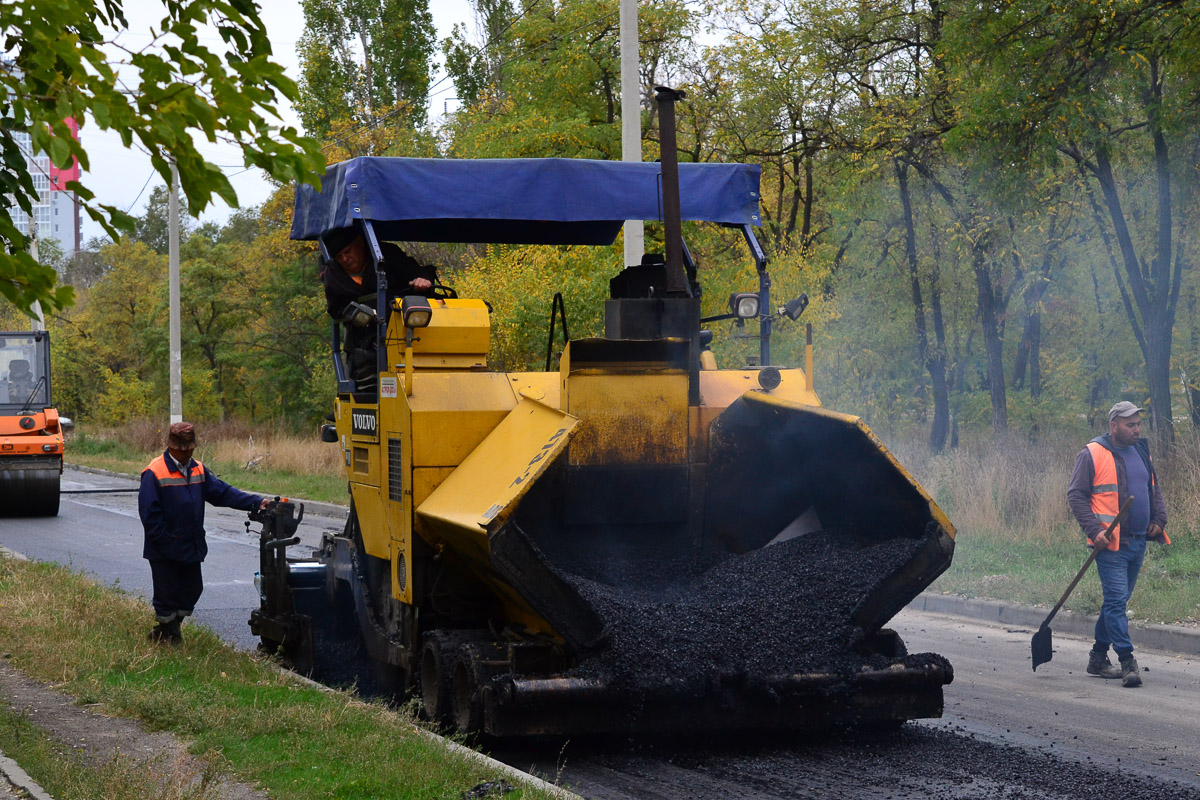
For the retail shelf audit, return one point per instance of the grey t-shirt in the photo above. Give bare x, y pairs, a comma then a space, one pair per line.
1139, 486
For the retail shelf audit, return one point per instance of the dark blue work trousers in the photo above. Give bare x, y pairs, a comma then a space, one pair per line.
177, 587
1118, 571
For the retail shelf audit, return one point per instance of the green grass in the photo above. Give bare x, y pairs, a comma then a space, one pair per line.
322, 488
991, 565
235, 710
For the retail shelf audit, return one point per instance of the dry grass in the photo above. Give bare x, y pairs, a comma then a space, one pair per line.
1019, 488
1016, 487
282, 452
1012, 487
250, 447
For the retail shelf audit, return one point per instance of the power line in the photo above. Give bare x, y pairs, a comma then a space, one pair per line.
139, 194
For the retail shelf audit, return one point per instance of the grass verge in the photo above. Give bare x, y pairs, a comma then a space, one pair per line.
1030, 572
233, 709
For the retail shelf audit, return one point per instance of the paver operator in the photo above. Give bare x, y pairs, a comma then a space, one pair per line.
350, 276
171, 500
1107, 471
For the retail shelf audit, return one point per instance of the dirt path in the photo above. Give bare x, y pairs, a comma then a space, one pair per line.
100, 739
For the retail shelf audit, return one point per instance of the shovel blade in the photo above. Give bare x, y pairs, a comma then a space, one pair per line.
1042, 647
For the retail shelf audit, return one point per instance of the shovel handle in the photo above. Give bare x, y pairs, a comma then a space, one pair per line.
1079, 575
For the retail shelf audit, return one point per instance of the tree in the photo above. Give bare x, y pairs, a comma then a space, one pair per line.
555, 89
153, 228
475, 70
1112, 89
361, 58
59, 65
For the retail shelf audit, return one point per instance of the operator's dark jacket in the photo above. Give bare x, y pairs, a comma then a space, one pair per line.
400, 268
1079, 491
171, 505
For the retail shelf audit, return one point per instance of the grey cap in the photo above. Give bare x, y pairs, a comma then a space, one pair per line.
1123, 409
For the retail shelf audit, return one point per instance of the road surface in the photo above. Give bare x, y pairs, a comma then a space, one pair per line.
1008, 732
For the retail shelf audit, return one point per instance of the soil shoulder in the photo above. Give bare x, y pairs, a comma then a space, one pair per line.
99, 739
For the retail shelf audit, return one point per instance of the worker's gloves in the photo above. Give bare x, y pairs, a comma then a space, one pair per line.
358, 315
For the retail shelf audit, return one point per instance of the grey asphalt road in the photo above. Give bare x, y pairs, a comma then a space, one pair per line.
101, 534
996, 698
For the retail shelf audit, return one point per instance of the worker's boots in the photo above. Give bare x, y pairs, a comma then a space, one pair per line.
1131, 676
1099, 665
166, 632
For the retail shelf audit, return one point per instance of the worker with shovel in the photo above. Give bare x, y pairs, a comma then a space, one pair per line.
1107, 471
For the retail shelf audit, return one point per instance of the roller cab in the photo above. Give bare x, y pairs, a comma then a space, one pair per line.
31, 431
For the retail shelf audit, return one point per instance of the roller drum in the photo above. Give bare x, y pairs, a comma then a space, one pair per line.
30, 487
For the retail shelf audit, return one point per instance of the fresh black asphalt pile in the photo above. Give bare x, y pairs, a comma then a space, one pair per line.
783, 609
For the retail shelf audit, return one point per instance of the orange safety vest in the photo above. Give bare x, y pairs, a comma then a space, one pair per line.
165, 477
1105, 503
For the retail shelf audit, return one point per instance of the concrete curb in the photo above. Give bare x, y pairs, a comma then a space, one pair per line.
331, 510
1172, 638
13, 773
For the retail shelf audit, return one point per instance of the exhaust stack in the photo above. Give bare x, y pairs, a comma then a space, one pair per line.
677, 284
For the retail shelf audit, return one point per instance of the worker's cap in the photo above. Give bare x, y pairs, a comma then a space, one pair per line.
182, 436
1123, 409
339, 239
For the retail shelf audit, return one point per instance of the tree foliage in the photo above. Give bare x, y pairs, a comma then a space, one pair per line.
1111, 89
986, 203
548, 84
59, 63
360, 59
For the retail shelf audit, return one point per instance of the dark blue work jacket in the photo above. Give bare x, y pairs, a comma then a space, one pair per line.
171, 504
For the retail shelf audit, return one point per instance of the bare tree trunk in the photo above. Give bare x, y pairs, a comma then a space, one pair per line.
936, 366
990, 305
1154, 292
992, 341
1029, 348
806, 234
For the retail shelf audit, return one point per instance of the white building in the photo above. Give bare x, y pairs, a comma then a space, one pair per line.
56, 208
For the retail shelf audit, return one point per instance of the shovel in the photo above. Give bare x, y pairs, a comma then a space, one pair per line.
1042, 644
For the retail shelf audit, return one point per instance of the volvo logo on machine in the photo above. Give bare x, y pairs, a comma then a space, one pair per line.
362, 422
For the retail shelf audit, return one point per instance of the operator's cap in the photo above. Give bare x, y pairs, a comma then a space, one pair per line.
339, 239
1123, 409
182, 436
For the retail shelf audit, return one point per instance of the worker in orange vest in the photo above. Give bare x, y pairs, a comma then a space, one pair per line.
171, 501
1107, 472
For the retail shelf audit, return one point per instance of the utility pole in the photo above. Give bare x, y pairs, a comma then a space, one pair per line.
631, 120
38, 323
176, 363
